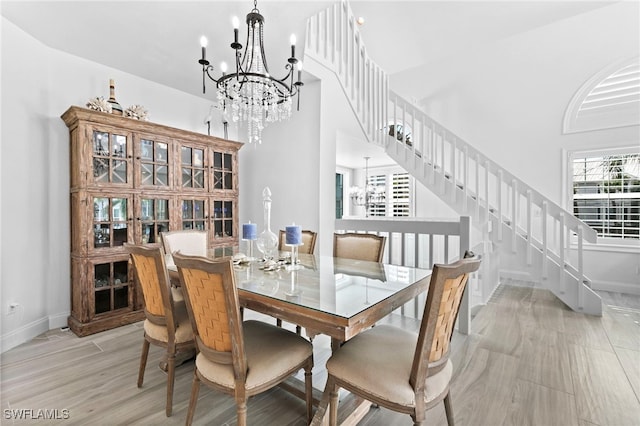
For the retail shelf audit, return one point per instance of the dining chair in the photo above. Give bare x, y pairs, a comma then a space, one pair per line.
399, 369
351, 245
240, 358
167, 323
308, 242
191, 242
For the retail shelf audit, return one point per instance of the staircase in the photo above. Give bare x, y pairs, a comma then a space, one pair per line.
521, 229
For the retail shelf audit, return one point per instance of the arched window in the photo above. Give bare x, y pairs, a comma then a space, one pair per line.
609, 99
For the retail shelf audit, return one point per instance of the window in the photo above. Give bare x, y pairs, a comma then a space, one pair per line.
606, 191
611, 98
378, 183
400, 194
339, 195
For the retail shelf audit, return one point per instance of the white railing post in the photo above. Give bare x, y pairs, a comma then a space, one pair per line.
464, 317
454, 169
465, 179
486, 191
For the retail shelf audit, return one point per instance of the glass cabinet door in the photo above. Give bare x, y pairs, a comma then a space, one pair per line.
111, 286
222, 170
110, 221
223, 219
110, 153
154, 163
194, 214
192, 167
154, 219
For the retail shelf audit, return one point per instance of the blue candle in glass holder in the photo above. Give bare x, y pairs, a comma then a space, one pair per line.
293, 235
249, 231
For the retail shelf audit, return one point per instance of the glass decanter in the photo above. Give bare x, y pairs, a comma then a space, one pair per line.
267, 241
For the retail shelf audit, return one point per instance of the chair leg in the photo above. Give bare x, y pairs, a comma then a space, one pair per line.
171, 371
298, 330
278, 322
193, 400
242, 413
333, 406
308, 389
143, 361
448, 409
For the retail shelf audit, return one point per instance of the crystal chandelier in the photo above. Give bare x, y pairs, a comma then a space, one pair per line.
371, 195
250, 93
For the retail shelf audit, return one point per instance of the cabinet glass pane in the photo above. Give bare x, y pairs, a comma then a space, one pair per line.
155, 219
154, 169
101, 170
217, 180
118, 146
187, 209
109, 157
193, 214
119, 174
228, 164
100, 144
146, 150
110, 222
228, 181
192, 170
217, 160
111, 286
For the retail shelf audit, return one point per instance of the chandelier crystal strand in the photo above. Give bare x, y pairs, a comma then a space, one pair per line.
251, 94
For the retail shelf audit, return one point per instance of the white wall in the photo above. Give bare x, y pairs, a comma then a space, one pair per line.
37, 87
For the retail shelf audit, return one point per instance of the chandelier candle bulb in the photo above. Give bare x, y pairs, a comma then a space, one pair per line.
203, 44
293, 45
236, 26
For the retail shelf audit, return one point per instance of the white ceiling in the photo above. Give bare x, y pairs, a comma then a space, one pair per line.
159, 40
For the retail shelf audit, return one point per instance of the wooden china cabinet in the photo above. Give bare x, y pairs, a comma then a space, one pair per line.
129, 181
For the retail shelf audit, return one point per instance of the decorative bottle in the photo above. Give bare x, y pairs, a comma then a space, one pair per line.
115, 106
267, 241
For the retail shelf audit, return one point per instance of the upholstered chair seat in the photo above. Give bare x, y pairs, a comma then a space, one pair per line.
308, 242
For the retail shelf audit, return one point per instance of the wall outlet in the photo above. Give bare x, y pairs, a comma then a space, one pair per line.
13, 307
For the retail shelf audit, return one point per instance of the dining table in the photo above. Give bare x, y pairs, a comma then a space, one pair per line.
337, 297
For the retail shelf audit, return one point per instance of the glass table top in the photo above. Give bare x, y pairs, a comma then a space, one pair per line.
341, 287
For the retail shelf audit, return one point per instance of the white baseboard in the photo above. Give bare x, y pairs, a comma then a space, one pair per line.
23, 334
58, 320
616, 287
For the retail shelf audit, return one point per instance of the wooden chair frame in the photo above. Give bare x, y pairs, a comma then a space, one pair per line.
379, 239
154, 282
309, 236
236, 356
428, 343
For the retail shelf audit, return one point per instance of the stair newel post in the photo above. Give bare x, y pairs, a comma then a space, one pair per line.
514, 215
529, 236
562, 254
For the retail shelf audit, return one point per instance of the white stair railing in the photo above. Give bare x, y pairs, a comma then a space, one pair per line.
333, 39
522, 222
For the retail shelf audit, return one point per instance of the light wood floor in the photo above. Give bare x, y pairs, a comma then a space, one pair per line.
528, 361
